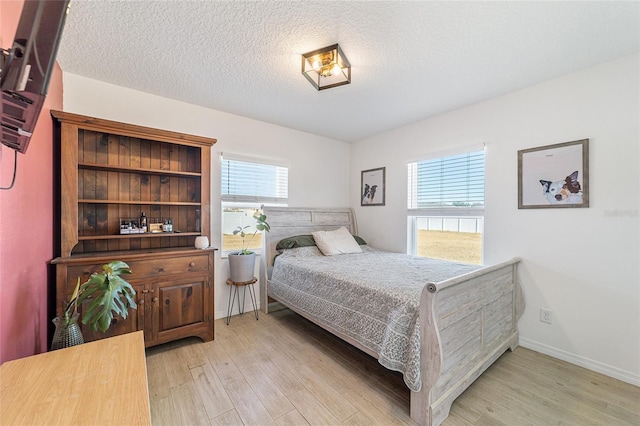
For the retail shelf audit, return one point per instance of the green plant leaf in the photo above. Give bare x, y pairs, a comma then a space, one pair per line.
108, 295
261, 220
117, 267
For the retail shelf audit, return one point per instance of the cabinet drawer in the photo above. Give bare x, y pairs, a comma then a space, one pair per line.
141, 269
158, 267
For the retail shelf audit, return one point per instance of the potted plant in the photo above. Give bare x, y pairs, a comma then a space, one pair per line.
109, 295
242, 262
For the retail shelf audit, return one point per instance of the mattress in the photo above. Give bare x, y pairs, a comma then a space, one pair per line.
372, 297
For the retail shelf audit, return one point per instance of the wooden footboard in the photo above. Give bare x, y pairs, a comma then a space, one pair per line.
466, 323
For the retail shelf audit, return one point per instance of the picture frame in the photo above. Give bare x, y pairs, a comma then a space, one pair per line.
554, 176
372, 187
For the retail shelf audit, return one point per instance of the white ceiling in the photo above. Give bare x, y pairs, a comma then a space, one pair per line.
410, 60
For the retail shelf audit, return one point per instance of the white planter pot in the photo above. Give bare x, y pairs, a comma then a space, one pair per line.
242, 266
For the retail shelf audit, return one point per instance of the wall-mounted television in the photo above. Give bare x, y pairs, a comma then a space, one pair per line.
26, 69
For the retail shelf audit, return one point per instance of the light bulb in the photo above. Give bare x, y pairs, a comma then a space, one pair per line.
316, 65
336, 69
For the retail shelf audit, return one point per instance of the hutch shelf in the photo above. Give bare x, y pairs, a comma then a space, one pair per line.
111, 171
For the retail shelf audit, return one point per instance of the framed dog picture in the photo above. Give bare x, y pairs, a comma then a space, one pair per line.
372, 187
554, 176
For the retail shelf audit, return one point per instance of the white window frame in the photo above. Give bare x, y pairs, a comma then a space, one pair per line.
247, 201
414, 213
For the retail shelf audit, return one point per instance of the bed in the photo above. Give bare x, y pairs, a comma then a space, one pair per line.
450, 321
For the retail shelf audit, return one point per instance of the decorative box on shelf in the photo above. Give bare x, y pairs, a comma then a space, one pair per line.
155, 225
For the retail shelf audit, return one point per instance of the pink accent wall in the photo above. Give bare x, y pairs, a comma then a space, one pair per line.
26, 223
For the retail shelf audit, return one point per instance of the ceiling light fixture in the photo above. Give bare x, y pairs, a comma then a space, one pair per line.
326, 67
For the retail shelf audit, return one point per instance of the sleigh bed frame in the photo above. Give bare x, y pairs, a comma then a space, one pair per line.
466, 322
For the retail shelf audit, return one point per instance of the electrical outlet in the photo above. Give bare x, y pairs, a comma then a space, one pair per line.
545, 315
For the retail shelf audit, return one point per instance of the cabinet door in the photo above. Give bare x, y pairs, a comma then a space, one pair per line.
134, 321
182, 307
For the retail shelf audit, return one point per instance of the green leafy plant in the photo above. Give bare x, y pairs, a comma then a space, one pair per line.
108, 293
261, 225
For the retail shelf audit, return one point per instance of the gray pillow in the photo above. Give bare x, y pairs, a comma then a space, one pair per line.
305, 241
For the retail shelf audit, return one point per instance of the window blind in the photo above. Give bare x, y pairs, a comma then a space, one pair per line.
254, 182
449, 183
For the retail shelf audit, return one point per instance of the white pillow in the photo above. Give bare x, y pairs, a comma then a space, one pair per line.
339, 241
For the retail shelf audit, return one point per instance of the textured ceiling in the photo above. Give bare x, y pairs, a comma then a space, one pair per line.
410, 60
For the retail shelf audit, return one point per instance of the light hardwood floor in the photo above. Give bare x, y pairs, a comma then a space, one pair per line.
283, 370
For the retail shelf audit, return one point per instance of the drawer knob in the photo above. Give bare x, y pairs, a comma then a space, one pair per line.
155, 299
141, 302
192, 264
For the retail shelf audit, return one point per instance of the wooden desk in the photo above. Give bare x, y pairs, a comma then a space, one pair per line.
97, 383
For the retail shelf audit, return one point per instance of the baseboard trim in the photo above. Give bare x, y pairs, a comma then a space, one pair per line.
589, 364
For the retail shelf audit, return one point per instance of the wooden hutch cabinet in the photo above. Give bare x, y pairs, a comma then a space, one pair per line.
110, 173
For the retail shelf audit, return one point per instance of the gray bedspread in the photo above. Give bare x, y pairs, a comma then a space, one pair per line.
372, 297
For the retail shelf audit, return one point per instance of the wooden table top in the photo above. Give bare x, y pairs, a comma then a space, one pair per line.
97, 383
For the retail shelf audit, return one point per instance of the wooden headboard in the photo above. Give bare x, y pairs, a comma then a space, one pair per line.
289, 221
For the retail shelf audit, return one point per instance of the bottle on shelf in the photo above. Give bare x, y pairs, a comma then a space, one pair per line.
167, 225
143, 222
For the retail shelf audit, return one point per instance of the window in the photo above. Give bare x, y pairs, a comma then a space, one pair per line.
446, 207
247, 184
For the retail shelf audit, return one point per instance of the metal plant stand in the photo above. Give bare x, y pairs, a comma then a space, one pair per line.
235, 294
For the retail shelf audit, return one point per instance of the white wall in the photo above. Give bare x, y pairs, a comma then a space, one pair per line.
318, 166
582, 263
